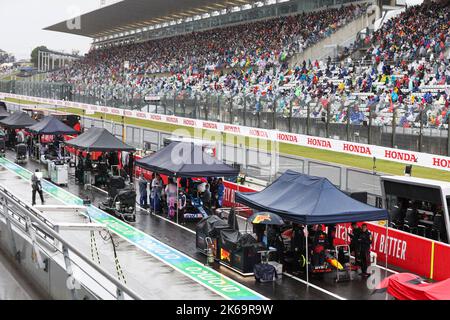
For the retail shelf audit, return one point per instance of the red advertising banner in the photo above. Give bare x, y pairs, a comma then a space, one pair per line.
441, 261
230, 191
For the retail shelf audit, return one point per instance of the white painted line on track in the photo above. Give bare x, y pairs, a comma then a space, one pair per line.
314, 286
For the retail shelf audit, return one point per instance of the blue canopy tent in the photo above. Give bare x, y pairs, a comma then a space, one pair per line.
51, 126
186, 159
305, 199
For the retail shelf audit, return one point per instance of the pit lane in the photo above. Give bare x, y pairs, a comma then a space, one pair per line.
156, 280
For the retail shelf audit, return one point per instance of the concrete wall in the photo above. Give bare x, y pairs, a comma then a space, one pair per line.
50, 283
343, 36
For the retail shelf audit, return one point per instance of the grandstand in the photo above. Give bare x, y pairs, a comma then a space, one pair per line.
238, 61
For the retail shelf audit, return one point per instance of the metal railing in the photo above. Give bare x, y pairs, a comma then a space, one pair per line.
42, 232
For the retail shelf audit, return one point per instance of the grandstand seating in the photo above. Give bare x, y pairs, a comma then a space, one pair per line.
408, 74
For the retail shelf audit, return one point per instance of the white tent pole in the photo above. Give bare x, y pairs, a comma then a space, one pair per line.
307, 255
386, 255
176, 198
153, 191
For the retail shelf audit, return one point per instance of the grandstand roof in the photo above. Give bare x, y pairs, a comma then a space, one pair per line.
132, 14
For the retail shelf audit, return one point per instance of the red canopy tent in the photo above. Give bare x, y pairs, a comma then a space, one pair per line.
408, 286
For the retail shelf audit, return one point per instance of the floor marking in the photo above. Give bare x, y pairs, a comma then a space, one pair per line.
205, 276
315, 287
289, 275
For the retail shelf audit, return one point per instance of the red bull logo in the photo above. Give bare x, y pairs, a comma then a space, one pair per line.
225, 255
261, 218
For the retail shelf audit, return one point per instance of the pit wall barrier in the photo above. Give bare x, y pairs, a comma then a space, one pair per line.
390, 154
405, 251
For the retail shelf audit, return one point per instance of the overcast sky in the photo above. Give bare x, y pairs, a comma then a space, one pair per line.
22, 21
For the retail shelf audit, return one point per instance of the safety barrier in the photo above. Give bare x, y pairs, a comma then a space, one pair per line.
365, 150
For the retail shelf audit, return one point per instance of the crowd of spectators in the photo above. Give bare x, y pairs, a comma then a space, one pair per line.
406, 70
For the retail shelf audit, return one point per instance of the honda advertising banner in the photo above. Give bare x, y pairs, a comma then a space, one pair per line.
365, 150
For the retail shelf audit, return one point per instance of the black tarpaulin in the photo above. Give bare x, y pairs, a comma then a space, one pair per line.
98, 139
51, 126
211, 226
18, 120
306, 199
185, 159
229, 239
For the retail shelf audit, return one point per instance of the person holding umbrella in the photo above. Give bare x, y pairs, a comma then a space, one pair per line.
261, 220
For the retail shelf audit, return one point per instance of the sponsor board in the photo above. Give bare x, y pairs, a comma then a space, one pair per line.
365, 150
207, 277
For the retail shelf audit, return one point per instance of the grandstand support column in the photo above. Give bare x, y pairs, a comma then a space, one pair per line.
394, 112
258, 115
308, 116
327, 123
420, 130
274, 114
245, 111
369, 130
379, 13
290, 116
231, 110
205, 106
165, 105
184, 106
448, 136
219, 110
174, 101
123, 129
83, 120
348, 123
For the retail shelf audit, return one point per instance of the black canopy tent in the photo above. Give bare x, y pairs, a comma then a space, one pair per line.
186, 160
18, 120
305, 199
4, 114
98, 139
51, 126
